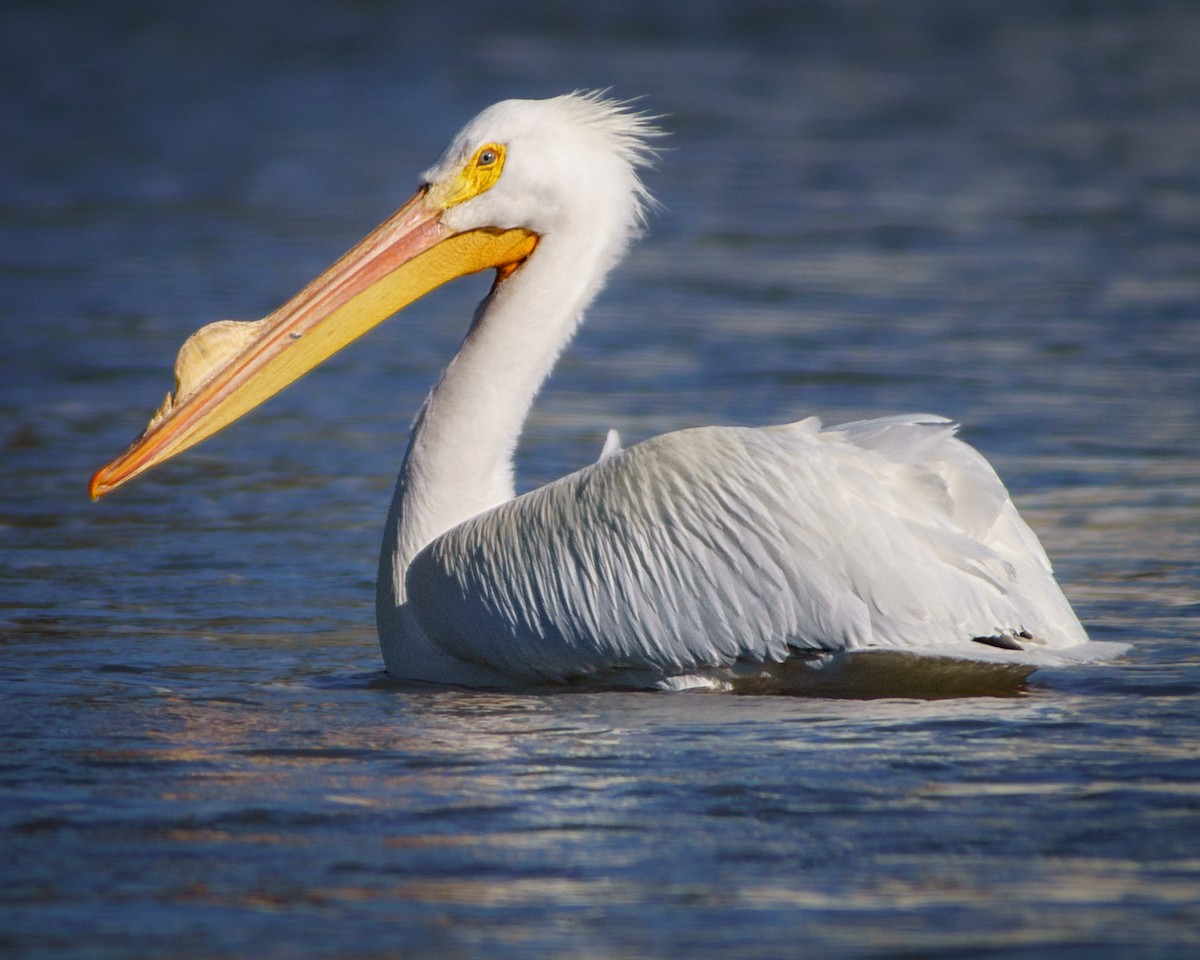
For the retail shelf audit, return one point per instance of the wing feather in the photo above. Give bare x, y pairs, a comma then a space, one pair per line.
705, 547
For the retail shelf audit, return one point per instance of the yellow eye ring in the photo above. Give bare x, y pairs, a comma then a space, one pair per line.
479, 174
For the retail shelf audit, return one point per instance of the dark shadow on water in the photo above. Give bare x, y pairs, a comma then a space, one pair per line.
886, 675
877, 675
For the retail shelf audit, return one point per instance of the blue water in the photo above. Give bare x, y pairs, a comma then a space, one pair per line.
986, 210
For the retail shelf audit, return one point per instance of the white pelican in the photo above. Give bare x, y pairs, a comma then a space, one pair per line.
690, 559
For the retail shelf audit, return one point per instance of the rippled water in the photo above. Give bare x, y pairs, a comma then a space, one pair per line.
990, 211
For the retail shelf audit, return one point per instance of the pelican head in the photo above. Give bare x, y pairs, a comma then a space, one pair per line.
519, 175
548, 166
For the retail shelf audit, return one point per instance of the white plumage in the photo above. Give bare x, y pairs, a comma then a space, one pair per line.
716, 546
695, 550
691, 558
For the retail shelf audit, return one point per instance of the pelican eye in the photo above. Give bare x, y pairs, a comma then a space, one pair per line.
487, 157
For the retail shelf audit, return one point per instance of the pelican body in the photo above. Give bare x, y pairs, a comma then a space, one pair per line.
689, 559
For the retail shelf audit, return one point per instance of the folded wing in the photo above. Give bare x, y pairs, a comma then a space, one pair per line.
705, 547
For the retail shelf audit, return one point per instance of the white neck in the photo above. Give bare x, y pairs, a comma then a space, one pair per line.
460, 456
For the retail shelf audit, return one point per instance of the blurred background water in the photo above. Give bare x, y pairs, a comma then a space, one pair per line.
986, 210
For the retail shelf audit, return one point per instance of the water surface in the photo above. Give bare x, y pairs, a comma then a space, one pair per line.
991, 213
